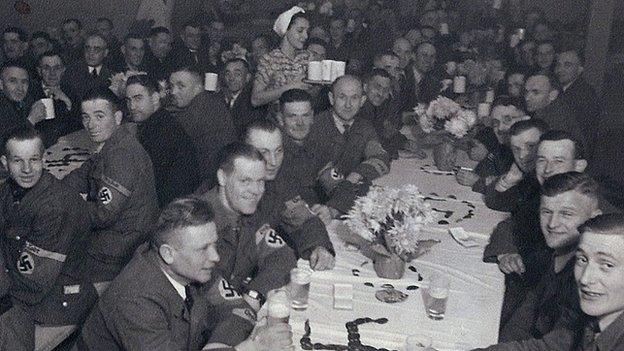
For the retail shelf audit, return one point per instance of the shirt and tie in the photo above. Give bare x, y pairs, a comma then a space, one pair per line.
342, 126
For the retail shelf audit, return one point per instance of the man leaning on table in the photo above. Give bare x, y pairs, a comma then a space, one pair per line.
254, 259
161, 300
567, 201
284, 205
599, 275
118, 181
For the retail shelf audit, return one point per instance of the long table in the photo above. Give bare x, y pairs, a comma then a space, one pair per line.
476, 291
475, 299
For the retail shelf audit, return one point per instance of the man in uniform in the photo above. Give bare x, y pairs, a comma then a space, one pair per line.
171, 150
348, 146
41, 223
165, 298
284, 205
599, 275
253, 261
204, 117
119, 185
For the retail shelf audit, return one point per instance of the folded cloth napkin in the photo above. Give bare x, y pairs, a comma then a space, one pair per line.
466, 239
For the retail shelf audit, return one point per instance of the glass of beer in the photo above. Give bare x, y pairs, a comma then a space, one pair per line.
278, 306
435, 297
300, 287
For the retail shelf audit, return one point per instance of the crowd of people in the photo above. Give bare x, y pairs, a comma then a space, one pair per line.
196, 203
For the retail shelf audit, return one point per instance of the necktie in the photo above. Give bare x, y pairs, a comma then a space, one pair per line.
189, 300
346, 127
94, 73
589, 336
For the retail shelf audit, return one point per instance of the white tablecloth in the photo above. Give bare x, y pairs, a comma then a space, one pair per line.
475, 300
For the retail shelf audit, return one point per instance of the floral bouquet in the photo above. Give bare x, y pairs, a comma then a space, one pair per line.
444, 114
386, 225
447, 125
118, 82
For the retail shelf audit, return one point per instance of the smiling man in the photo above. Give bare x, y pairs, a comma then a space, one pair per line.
288, 192
163, 301
599, 274
253, 261
118, 181
40, 222
567, 201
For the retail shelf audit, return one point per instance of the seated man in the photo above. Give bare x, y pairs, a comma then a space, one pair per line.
158, 59
16, 104
543, 102
237, 94
51, 69
383, 112
284, 205
161, 300
132, 54
350, 144
567, 201
171, 150
91, 71
204, 117
522, 254
119, 185
254, 261
42, 223
492, 145
296, 118
599, 276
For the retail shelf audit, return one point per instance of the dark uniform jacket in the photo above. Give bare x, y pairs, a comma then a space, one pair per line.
358, 150
248, 250
386, 120
159, 69
560, 116
121, 201
141, 310
544, 306
209, 124
580, 335
296, 178
173, 156
242, 111
77, 80
13, 114
41, 228
584, 101
413, 93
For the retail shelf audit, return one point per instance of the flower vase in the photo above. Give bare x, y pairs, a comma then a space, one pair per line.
389, 267
444, 156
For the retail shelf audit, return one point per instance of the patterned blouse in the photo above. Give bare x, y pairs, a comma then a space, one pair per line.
276, 69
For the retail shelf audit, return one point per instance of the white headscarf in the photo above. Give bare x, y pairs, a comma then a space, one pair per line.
281, 23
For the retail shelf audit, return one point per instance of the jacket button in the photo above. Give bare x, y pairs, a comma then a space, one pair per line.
17, 237
65, 304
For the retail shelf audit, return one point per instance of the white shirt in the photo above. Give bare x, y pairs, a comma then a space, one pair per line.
340, 124
97, 69
176, 285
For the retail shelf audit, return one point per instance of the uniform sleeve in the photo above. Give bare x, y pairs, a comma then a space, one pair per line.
78, 179
501, 241
376, 162
275, 260
232, 316
43, 256
114, 188
309, 236
141, 325
501, 201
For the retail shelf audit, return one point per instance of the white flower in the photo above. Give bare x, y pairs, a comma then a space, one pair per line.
457, 127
